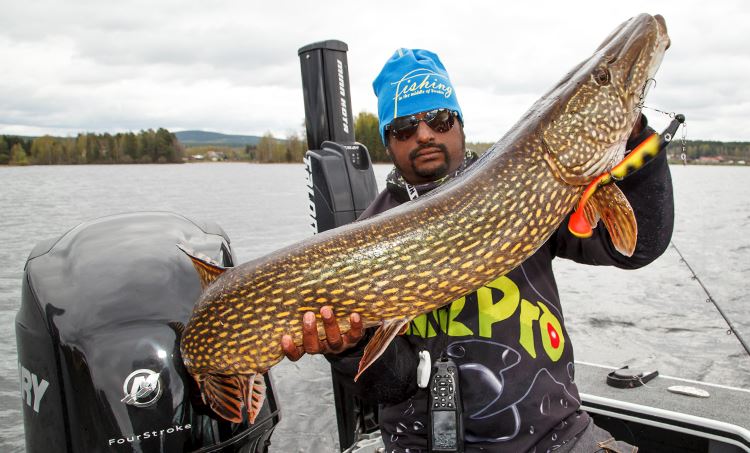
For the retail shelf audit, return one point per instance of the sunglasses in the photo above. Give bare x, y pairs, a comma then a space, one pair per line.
439, 120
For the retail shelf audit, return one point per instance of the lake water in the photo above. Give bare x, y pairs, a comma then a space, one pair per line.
656, 315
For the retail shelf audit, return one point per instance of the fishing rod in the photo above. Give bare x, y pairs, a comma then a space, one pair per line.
665, 138
732, 329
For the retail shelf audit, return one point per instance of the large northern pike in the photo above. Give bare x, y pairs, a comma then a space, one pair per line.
424, 254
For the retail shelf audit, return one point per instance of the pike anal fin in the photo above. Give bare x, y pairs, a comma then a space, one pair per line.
380, 341
224, 394
256, 396
228, 395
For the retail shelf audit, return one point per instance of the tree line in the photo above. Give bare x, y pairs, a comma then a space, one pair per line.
269, 149
367, 133
161, 146
147, 146
695, 149
272, 150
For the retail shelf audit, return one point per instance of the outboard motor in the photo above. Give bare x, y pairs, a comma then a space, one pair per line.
98, 352
341, 185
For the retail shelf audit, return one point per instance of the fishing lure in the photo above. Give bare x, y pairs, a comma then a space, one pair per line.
583, 220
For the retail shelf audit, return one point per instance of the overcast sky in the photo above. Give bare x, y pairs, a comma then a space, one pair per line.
232, 67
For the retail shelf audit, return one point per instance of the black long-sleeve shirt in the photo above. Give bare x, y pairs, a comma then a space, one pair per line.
508, 338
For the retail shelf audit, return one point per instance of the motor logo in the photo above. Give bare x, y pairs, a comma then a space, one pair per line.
142, 388
33, 387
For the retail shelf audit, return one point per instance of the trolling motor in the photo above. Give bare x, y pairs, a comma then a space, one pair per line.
341, 184
340, 179
99, 362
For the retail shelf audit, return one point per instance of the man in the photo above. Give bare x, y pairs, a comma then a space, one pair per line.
516, 364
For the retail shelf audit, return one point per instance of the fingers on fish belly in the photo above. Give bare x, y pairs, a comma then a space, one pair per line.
228, 395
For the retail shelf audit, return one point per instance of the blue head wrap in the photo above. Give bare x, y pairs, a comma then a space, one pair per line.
413, 81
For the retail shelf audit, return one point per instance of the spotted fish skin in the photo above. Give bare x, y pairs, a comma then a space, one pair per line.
424, 254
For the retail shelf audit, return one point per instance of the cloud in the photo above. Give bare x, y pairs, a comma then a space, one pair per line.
233, 67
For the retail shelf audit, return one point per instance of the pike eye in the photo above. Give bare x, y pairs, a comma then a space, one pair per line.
602, 76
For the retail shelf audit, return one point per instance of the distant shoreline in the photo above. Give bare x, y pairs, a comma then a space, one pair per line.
162, 146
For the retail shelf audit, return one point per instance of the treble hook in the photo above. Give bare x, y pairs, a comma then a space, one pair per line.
642, 97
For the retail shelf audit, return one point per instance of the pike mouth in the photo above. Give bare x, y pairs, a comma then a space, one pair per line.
663, 28
636, 67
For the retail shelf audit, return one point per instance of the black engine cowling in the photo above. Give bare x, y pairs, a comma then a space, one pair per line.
99, 362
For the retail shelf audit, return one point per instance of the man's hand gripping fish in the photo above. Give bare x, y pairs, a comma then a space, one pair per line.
428, 253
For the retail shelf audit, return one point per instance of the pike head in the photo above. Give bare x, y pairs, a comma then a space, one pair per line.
592, 110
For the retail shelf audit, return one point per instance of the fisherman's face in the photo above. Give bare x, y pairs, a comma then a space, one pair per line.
428, 154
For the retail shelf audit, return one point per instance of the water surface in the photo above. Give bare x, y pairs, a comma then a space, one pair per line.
657, 314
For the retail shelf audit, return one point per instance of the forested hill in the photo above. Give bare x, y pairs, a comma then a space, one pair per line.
203, 138
146, 147
162, 146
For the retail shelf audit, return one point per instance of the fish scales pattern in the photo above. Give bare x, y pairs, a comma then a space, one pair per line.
423, 255
487, 227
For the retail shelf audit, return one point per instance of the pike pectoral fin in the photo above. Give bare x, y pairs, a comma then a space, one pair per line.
256, 396
614, 210
224, 394
583, 221
380, 341
208, 269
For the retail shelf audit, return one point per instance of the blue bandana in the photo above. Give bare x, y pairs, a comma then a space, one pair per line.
412, 81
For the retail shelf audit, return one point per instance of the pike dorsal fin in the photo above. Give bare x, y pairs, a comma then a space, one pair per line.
224, 394
178, 328
380, 341
208, 269
256, 396
615, 211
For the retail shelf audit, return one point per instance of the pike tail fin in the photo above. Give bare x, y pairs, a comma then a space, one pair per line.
380, 341
208, 269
